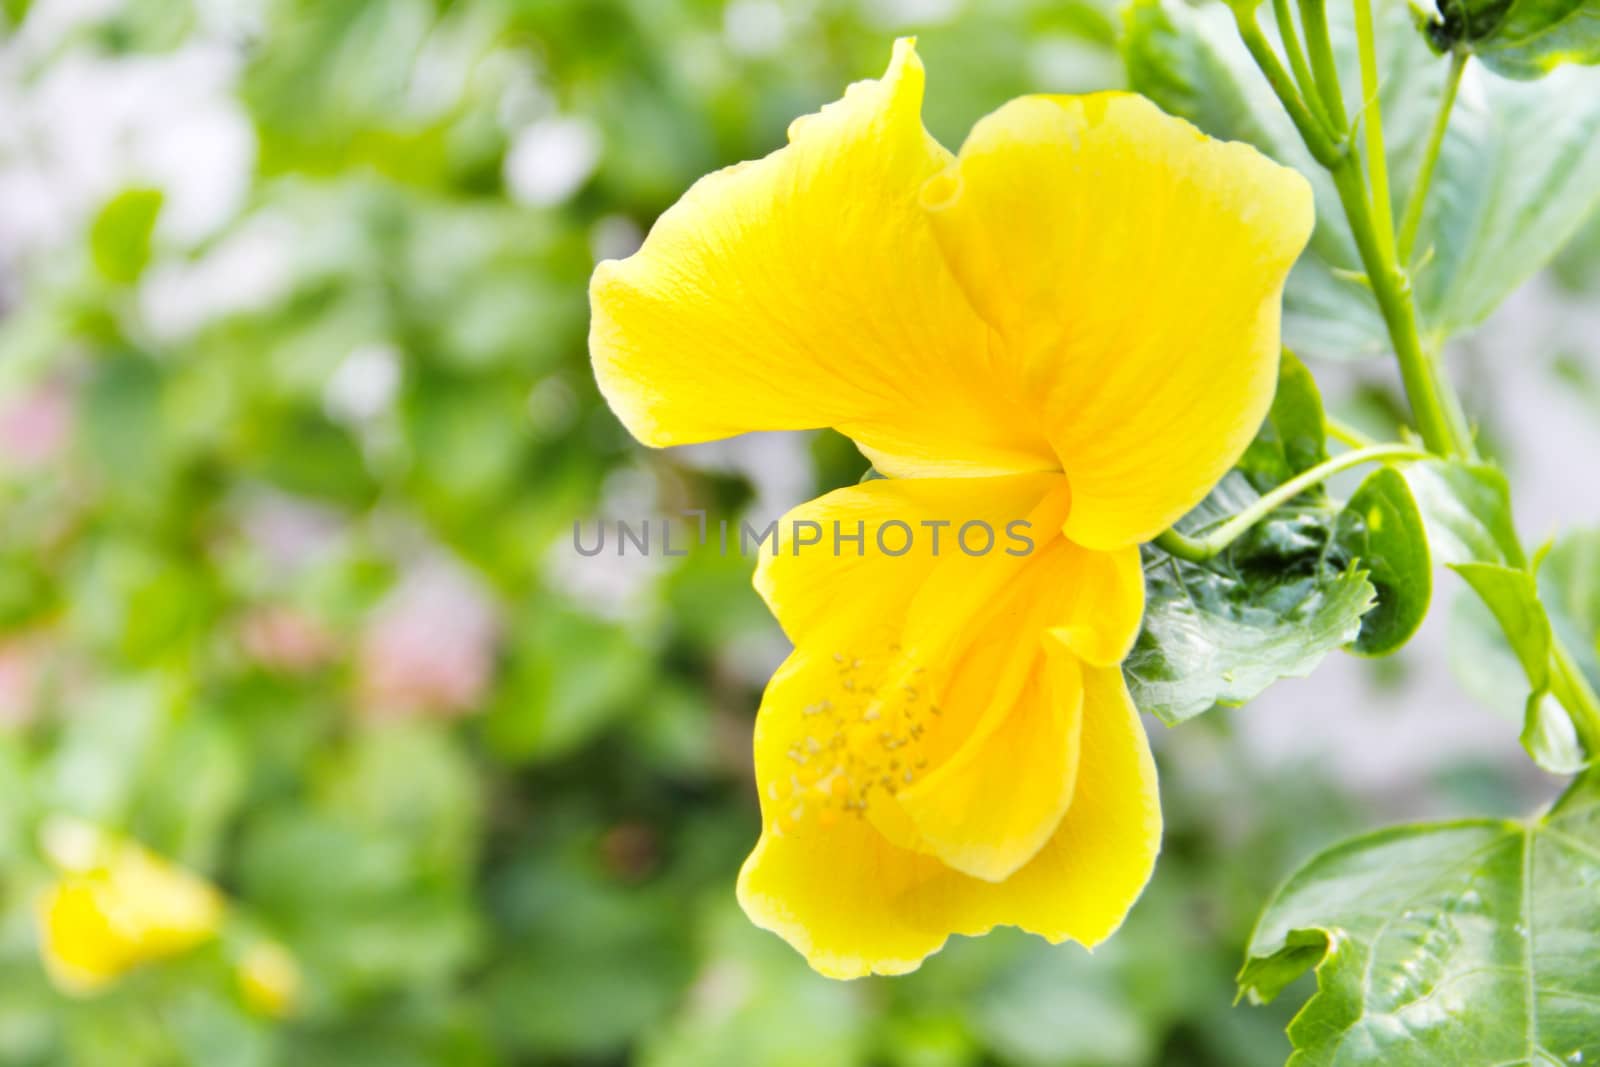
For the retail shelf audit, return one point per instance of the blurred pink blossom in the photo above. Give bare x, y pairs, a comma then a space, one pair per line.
286, 640
429, 649
35, 426
22, 669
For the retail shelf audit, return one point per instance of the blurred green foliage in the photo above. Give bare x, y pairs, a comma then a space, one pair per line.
240, 467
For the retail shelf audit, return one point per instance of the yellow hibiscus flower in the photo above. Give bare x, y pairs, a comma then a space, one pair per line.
1074, 323
116, 906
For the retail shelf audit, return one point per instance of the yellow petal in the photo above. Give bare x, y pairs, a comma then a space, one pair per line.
117, 906
269, 979
922, 681
990, 808
81, 949
1102, 606
881, 540
1132, 269
1082, 883
854, 903
805, 289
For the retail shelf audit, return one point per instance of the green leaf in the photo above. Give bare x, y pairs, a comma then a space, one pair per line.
1270, 607
1467, 509
1518, 174
569, 677
1549, 734
1513, 596
591, 963
1307, 580
1284, 595
1382, 527
15, 11
119, 237
1569, 587
122, 427
1577, 270
1470, 942
1519, 169
1512, 628
1482, 662
368, 873
1519, 38
1293, 438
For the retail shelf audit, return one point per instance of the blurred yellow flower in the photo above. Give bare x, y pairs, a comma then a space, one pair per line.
269, 979
114, 907
1072, 324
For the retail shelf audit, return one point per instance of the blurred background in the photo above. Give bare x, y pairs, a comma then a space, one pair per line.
295, 422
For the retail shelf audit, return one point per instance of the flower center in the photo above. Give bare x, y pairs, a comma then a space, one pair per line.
866, 736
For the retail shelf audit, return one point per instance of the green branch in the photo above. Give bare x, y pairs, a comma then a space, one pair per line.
1297, 62
1213, 544
1411, 221
1314, 21
1346, 434
1434, 405
1372, 120
1324, 149
1439, 420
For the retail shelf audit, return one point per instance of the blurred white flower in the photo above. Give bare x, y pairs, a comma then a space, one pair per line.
86, 126
550, 159
450, 59
614, 237
603, 585
50, 22
288, 532
754, 655
523, 95
249, 270
631, 492
1061, 64
364, 385
230, 19
610, 584
777, 465
755, 27
898, 14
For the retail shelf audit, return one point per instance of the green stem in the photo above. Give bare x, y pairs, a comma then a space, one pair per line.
1346, 434
1213, 544
1297, 61
1439, 421
1372, 118
1314, 21
1411, 221
1576, 695
1434, 405
1324, 149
